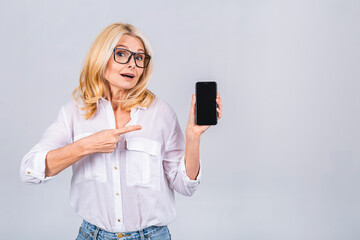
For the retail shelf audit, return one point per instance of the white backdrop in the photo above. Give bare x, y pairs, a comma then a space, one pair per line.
283, 162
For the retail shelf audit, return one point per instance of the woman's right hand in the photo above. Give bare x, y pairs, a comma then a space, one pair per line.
106, 141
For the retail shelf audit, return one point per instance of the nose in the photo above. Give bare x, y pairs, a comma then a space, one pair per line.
131, 63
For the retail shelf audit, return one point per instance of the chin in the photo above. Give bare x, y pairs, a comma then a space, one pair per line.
127, 86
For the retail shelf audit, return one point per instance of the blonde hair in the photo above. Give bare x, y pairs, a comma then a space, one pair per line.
92, 82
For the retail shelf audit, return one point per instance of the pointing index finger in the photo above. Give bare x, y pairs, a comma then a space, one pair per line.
128, 129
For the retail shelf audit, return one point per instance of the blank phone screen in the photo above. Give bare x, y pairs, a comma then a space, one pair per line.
206, 103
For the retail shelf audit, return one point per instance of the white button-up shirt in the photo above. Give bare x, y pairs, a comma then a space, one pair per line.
130, 188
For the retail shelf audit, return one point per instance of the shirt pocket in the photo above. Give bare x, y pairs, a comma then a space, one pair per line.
143, 163
91, 167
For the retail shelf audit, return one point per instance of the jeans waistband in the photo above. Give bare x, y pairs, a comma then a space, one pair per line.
92, 229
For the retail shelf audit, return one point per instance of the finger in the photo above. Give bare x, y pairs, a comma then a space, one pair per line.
219, 102
128, 129
219, 113
192, 108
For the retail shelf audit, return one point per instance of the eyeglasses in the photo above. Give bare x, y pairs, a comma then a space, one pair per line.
123, 56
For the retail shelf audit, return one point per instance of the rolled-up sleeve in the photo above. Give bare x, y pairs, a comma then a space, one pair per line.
58, 134
174, 163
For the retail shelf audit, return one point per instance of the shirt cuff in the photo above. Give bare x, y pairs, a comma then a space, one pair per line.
186, 178
37, 170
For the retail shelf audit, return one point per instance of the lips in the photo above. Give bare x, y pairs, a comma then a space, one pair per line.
128, 75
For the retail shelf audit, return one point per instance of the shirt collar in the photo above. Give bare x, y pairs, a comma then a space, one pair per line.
105, 100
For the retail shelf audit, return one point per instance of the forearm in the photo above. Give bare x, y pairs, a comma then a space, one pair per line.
192, 156
61, 158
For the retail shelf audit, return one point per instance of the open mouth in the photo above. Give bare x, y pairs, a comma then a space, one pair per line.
127, 75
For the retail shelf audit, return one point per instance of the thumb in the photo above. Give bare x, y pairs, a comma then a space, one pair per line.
192, 108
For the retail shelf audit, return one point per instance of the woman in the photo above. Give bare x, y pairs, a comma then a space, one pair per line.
125, 145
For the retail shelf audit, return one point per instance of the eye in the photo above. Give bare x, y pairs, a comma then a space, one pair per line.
139, 57
120, 53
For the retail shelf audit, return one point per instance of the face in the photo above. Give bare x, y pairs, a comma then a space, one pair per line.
117, 74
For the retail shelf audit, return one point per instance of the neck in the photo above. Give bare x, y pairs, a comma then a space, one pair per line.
116, 97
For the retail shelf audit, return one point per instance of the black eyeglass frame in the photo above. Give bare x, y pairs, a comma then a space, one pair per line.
133, 54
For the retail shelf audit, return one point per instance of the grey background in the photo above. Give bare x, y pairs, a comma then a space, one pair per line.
283, 163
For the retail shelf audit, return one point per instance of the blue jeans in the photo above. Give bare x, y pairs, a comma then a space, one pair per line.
89, 231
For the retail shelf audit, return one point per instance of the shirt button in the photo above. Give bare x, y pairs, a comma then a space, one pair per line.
118, 220
117, 194
28, 172
115, 168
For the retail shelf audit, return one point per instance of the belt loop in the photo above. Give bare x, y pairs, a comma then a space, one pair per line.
142, 235
96, 233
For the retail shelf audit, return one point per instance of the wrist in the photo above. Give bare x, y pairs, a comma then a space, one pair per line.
193, 137
83, 147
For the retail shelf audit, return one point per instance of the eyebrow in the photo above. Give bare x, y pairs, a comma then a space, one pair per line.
127, 47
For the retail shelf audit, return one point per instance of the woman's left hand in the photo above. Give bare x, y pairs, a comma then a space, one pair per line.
193, 130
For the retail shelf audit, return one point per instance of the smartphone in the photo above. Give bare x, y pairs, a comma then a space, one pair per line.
206, 113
